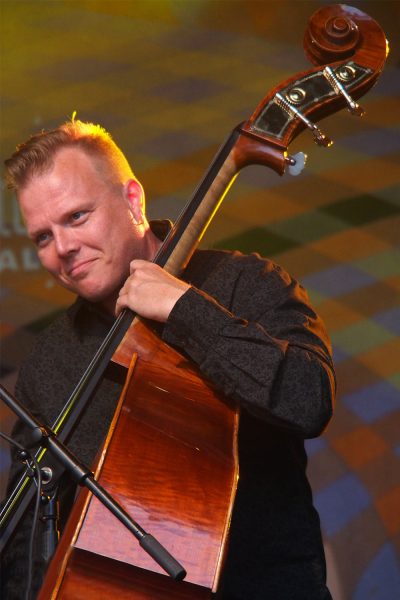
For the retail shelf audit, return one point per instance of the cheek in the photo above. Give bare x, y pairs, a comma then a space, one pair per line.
100, 236
49, 260
118, 242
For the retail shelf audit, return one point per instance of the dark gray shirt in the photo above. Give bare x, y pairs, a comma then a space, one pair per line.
250, 328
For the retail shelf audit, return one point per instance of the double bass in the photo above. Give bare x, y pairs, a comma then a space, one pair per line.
170, 457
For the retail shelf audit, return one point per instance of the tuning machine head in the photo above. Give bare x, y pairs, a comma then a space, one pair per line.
320, 138
344, 74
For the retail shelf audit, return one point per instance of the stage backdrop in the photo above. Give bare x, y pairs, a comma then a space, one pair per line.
170, 79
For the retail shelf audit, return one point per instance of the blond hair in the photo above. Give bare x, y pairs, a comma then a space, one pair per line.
36, 155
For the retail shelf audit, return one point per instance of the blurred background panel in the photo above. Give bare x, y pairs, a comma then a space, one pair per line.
170, 79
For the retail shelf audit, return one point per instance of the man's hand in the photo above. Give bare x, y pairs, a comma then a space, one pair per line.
150, 291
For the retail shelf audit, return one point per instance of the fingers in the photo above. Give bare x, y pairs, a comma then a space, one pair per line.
142, 266
122, 302
150, 291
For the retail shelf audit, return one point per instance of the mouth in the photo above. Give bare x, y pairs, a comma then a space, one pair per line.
80, 269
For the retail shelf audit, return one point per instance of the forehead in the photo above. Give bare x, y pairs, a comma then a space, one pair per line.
70, 168
73, 161
72, 177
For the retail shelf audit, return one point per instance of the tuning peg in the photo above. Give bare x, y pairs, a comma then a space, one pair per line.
296, 163
320, 138
346, 75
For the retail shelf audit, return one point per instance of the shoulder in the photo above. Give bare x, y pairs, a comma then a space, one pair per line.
247, 278
205, 262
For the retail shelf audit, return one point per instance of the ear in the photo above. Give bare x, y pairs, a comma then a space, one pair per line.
134, 194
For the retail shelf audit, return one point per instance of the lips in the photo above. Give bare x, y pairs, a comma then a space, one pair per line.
79, 269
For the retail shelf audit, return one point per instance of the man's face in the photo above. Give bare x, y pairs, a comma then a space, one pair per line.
83, 227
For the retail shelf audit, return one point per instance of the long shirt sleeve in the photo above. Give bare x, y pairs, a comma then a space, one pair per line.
253, 333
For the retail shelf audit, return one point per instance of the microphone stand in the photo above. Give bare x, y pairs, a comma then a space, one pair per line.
83, 476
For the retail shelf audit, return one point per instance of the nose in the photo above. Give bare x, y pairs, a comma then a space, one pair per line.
65, 241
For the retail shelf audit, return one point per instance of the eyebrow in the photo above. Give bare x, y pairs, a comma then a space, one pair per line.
36, 232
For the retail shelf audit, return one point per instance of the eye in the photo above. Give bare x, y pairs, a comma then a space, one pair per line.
42, 239
78, 217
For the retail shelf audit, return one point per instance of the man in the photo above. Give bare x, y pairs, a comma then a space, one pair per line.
244, 321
